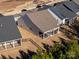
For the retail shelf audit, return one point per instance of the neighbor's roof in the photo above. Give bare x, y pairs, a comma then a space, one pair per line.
43, 20
76, 1
62, 12
8, 29
72, 6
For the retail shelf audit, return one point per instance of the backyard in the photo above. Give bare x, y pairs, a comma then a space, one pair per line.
32, 42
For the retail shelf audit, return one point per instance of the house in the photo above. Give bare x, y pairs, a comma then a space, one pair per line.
41, 23
72, 6
62, 14
46, 22
9, 33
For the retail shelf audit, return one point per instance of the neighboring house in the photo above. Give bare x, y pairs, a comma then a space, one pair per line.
9, 33
41, 23
62, 14
76, 1
46, 22
72, 6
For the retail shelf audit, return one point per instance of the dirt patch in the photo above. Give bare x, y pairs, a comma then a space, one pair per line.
10, 4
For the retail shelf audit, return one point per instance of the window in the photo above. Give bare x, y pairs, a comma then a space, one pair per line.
50, 33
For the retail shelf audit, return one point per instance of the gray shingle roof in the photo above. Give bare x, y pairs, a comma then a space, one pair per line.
43, 20
76, 1
73, 6
8, 29
62, 12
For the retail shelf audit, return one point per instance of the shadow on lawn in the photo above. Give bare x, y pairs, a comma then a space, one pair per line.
64, 41
25, 55
10, 57
4, 57
68, 33
46, 47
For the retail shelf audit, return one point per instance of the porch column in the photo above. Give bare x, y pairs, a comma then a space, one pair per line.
53, 32
58, 30
20, 41
13, 43
5, 45
43, 35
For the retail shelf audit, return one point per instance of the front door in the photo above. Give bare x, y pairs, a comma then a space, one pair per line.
40, 34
